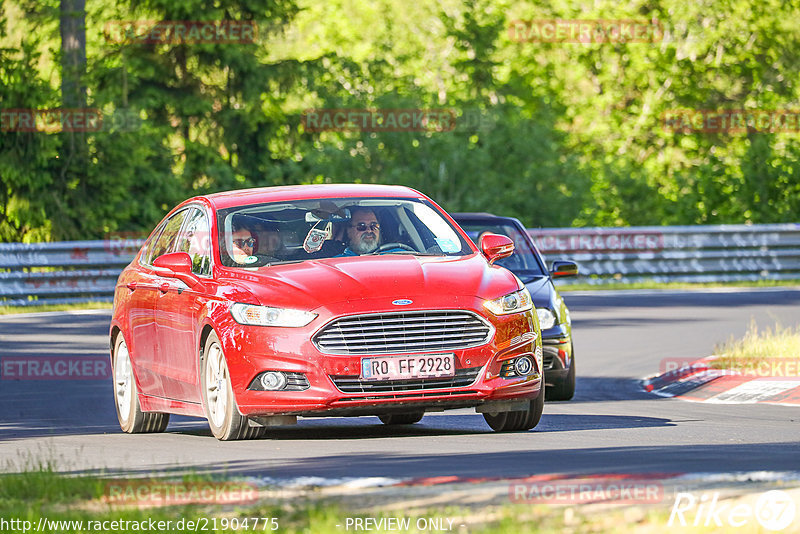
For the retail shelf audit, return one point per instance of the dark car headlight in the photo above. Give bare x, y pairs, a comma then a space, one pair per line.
547, 319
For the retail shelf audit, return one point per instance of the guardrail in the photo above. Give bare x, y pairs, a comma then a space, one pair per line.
80, 271
62, 272
725, 253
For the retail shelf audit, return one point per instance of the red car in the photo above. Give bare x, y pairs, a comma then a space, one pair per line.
253, 307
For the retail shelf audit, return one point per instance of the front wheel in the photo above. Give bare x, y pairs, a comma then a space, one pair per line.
401, 418
565, 390
519, 420
220, 406
129, 413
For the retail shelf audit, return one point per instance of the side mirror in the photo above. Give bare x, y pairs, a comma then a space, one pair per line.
496, 247
177, 265
563, 269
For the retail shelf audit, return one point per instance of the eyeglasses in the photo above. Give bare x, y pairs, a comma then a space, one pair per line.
362, 227
250, 242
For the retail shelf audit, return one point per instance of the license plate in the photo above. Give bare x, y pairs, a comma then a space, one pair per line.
407, 367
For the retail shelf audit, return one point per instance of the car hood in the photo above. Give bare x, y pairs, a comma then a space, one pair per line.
315, 283
541, 291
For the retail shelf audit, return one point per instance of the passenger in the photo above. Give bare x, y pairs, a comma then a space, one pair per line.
243, 245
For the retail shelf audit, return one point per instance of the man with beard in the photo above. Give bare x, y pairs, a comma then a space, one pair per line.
363, 234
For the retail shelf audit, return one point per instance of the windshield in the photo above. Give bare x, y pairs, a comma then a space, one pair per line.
523, 262
272, 233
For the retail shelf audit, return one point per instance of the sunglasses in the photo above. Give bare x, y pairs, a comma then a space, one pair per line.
249, 242
362, 227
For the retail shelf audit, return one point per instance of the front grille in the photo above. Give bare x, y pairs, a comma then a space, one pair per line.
414, 331
548, 357
352, 384
407, 395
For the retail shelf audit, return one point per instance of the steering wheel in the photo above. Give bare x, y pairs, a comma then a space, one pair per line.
389, 246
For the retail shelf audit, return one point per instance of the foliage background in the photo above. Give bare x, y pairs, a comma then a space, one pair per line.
556, 134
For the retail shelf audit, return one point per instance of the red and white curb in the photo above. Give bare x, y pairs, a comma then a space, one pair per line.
699, 382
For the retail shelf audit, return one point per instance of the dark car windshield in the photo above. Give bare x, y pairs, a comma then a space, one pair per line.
295, 231
523, 262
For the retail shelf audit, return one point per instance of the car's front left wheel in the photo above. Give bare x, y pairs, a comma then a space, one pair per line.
517, 420
129, 413
220, 405
565, 389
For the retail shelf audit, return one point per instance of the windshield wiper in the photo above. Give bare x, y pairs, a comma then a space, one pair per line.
283, 262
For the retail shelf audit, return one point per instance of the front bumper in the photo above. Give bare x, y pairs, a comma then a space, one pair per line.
557, 354
251, 350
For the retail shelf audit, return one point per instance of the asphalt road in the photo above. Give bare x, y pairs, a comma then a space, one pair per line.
610, 427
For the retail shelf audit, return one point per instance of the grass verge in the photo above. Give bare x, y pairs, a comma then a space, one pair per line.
15, 310
42, 500
769, 352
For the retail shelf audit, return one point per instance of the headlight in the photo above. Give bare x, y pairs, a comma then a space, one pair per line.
547, 319
518, 301
266, 316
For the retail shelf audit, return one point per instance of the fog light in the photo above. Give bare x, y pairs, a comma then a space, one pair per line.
523, 366
273, 380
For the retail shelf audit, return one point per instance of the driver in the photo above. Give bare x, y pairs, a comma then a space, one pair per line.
363, 234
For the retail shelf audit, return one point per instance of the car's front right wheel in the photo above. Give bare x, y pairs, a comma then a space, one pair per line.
518, 420
220, 405
129, 413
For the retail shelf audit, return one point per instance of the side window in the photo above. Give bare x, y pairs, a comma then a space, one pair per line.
166, 241
150, 245
195, 240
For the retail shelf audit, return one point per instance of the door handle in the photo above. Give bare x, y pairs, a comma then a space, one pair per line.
164, 287
131, 285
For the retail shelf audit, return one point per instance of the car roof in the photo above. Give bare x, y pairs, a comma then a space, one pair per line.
258, 195
481, 216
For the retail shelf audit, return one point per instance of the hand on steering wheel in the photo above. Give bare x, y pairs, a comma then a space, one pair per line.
388, 246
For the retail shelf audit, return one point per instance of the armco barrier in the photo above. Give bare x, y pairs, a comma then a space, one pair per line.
79, 271
63, 272
725, 253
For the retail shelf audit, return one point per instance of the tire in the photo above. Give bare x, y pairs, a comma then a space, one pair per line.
223, 415
564, 390
126, 396
401, 418
516, 421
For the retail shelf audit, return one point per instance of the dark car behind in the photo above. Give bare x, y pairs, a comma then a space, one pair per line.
527, 263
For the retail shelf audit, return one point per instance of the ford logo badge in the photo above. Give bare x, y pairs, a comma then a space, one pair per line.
402, 302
